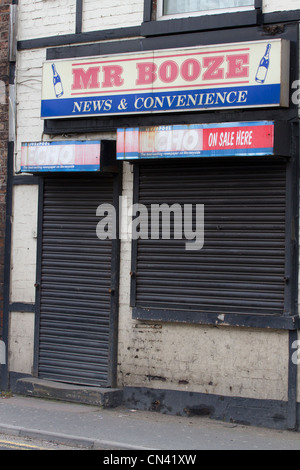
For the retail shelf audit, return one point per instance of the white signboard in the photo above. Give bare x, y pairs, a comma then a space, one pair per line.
239, 75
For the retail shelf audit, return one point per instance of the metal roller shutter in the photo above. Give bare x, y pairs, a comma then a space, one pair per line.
75, 280
241, 267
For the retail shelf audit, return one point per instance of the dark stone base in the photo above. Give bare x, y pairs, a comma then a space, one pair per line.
247, 411
105, 397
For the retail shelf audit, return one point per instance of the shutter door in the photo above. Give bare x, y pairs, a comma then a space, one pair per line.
75, 282
241, 267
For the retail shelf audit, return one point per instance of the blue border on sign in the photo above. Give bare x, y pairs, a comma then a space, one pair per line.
230, 97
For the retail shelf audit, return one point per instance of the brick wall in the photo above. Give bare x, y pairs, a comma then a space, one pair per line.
43, 18
111, 14
4, 84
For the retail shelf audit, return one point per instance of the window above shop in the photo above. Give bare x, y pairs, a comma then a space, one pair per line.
167, 9
178, 16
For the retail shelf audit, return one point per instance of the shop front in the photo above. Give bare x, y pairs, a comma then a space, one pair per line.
196, 307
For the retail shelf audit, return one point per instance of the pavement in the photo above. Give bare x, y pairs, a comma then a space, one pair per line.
95, 427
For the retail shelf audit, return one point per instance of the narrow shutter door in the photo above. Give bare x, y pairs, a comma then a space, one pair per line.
75, 282
241, 266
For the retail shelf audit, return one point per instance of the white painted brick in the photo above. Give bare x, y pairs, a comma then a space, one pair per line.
23, 260
111, 13
21, 343
222, 361
279, 5
29, 90
42, 18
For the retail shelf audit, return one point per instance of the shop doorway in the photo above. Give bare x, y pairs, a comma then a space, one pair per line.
77, 284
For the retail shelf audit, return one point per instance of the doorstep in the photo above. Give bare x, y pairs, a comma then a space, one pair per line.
33, 387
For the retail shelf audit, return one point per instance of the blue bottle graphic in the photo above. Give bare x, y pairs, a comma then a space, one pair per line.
263, 67
58, 88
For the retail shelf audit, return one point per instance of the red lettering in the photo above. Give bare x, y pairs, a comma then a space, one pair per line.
85, 79
213, 71
112, 75
146, 73
168, 71
238, 66
190, 70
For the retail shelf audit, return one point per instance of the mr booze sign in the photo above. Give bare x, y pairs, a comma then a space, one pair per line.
239, 75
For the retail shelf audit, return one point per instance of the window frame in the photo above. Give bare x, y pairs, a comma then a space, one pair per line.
161, 17
205, 22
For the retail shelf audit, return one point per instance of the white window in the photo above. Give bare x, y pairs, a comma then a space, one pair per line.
183, 8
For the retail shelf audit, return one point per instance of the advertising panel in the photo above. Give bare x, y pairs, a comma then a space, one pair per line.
240, 75
60, 156
196, 140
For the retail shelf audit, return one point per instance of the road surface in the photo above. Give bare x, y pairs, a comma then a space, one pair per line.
8, 442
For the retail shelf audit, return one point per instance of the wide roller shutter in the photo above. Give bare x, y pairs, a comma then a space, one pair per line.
241, 267
75, 283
